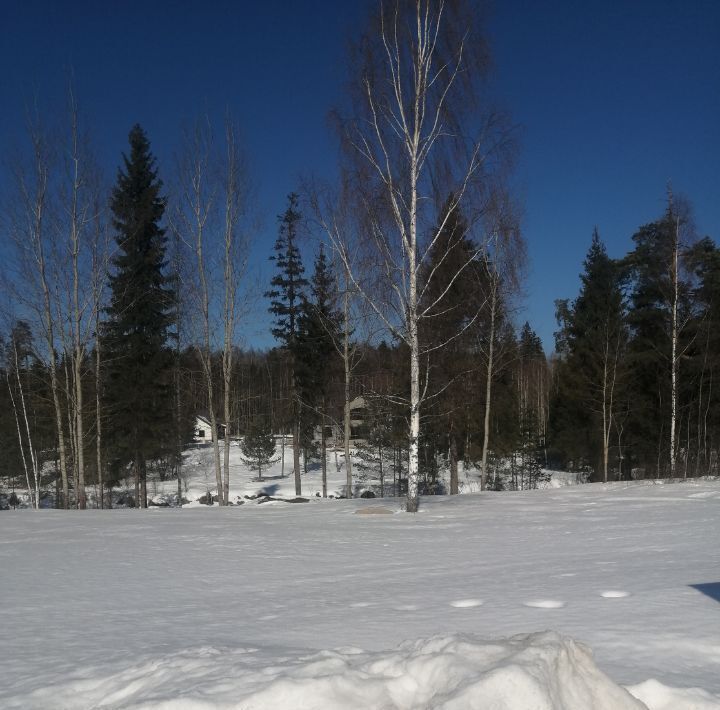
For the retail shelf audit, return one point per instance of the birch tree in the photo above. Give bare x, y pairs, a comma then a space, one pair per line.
337, 218
80, 268
661, 311
416, 122
503, 262
213, 202
34, 282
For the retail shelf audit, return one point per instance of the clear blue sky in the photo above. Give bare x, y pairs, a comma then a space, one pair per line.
614, 99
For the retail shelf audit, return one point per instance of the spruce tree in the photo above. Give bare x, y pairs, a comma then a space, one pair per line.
289, 283
286, 302
258, 446
591, 344
138, 388
316, 352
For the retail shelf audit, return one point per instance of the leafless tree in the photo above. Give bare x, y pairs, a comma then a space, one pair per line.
334, 212
417, 127
34, 278
504, 260
212, 204
80, 268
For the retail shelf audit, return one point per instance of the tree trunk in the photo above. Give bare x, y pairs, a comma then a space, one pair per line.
98, 421
674, 356
282, 453
79, 433
453, 460
20, 444
296, 456
413, 460
412, 326
136, 469
347, 368
323, 457
142, 468
382, 472
489, 373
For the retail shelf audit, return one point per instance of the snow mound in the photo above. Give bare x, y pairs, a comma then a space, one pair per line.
542, 671
661, 697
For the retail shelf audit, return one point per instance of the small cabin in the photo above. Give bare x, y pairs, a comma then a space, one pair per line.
202, 432
358, 426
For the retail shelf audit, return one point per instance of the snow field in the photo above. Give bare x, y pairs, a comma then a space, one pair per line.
313, 606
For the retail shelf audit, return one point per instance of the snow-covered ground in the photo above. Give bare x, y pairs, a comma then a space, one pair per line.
199, 477
313, 605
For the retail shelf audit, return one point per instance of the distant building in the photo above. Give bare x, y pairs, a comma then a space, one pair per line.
202, 432
358, 426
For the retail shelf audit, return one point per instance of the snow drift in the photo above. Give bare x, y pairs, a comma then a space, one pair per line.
541, 671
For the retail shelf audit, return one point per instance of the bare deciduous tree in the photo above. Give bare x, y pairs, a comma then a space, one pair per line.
417, 130
213, 202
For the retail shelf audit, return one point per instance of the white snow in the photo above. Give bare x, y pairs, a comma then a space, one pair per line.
311, 606
542, 671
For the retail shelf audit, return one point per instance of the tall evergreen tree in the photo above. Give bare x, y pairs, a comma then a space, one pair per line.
316, 352
592, 344
286, 303
289, 283
136, 333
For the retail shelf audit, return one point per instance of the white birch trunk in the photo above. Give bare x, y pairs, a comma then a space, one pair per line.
347, 369
674, 350
31, 492
489, 374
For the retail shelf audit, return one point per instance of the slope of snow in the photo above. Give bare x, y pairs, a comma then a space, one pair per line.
277, 480
242, 607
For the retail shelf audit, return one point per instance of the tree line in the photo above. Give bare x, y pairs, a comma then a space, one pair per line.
634, 391
126, 306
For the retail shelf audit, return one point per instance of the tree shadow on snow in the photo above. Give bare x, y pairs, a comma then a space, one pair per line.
710, 589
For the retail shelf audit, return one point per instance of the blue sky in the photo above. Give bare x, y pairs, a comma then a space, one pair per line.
613, 100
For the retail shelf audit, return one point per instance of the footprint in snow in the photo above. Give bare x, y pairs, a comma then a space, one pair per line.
545, 604
466, 603
614, 594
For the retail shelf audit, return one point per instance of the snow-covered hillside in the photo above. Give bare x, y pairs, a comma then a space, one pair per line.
478, 601
198, 477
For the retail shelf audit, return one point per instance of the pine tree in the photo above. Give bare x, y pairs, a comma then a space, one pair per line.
286, 303
258, 446
138, 389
